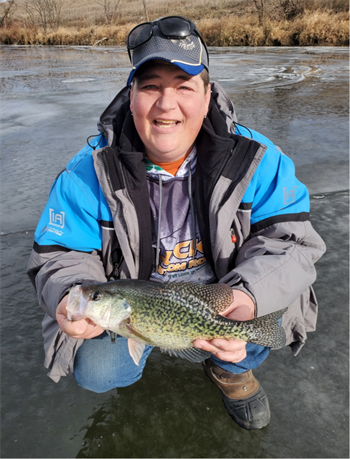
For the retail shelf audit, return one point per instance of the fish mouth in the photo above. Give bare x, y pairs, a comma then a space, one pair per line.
76, 303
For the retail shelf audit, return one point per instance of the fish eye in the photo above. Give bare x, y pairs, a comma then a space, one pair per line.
95, 296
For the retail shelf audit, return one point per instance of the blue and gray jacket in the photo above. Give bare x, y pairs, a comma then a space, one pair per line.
251, 211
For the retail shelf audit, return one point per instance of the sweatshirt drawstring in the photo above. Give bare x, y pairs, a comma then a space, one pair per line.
159, 220
192, 208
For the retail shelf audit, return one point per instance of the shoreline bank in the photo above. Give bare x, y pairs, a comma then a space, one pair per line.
312, 29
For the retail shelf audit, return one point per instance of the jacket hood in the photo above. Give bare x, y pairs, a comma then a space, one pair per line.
117, 119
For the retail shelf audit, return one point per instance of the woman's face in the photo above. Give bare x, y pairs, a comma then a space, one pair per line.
168, 107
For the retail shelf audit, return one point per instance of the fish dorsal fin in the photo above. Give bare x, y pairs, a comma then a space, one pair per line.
216, 297
192, 354
135, 350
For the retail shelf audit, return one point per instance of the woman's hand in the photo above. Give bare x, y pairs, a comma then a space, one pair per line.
231, 350
79, 329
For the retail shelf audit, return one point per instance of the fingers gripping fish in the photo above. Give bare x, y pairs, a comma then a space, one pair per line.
170, 316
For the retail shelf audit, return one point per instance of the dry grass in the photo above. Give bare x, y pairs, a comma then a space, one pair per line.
221, 22
320, 28
64, 35
313, 28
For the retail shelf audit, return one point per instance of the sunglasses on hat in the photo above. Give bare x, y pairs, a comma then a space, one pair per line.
171, 27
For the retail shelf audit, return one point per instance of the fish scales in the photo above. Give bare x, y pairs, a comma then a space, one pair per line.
177, 310
165, 319
172, 315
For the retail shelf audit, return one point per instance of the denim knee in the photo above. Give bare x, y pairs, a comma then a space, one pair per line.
101, 365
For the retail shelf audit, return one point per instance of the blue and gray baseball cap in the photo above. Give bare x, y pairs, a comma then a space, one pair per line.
172, 38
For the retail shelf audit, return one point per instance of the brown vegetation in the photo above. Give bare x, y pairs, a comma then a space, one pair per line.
221, 22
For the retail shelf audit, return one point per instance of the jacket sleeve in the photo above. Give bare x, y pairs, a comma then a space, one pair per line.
275, 264
66, 251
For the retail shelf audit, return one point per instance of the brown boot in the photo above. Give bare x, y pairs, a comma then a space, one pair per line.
244, 399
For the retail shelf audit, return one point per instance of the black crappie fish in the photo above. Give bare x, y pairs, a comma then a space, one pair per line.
170, 316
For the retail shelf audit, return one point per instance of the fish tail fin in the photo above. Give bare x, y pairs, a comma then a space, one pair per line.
268, 331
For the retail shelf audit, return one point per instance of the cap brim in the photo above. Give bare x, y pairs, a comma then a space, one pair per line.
190, 69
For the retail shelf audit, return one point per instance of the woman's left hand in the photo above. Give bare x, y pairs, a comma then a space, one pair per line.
231, 350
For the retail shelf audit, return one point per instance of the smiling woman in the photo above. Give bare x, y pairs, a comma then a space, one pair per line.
174, 189
168, 107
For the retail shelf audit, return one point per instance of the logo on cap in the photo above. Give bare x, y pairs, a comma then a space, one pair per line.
185, 43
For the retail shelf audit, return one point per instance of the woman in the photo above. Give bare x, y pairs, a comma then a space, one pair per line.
174, 189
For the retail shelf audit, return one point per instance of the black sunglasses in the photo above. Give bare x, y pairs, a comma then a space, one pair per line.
169, 27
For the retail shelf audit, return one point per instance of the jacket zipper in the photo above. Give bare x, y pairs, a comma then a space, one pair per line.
125, 228
221, 170
217, 178
233, 236
103, 161
105, 168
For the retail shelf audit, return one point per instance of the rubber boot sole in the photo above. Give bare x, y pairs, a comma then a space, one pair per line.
251, 413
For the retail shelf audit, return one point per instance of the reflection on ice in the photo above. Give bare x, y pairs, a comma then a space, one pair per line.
78, 80
280, 76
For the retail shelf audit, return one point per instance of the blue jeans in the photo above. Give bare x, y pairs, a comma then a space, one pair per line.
101, 365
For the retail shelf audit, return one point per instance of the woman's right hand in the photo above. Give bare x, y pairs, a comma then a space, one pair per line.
79, 329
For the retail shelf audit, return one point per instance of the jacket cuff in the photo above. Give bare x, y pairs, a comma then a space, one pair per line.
247, 292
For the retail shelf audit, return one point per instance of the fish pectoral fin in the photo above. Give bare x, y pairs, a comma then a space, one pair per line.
192, 354
134, 332
135, 350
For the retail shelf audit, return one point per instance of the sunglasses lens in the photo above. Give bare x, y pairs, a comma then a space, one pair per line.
175, 27
139, 35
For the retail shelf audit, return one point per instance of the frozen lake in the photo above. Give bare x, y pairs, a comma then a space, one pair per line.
52, 98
